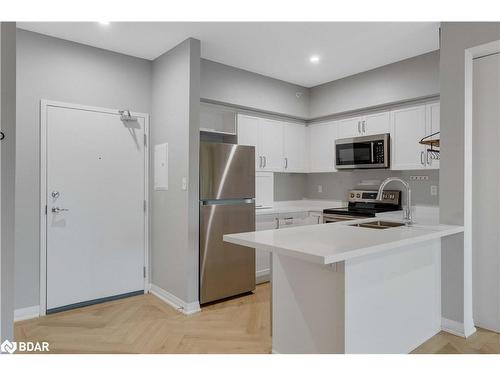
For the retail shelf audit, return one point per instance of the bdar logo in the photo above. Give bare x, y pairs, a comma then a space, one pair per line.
8, 347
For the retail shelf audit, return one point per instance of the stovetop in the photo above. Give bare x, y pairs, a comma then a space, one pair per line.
363, 203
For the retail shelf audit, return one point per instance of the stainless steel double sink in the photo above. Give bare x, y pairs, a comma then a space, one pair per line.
378, 224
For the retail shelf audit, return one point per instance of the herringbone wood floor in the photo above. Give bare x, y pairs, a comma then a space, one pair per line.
144, 324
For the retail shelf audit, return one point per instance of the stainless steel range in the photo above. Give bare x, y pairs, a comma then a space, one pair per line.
364, 204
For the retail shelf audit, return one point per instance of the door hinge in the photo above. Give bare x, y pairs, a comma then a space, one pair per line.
144, 271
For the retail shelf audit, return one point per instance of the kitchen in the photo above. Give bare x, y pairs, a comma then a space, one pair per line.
287, 161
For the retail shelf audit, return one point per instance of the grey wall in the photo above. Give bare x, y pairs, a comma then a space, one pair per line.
8, 160
175, 120
49, 68
228, 85
336, 185
408, 79
455, 38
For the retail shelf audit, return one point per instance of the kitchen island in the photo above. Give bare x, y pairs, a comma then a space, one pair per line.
342, 288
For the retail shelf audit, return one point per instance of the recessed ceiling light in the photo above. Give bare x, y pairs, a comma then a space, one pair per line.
314, 59
104, 23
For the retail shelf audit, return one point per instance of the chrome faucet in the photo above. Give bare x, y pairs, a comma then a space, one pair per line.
407, 212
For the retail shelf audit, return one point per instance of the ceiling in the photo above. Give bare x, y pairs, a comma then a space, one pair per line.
276, 49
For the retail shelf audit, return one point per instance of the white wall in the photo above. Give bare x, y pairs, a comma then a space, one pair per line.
7, 157
50, 68
175, 120
228, 85
455, 38
414, 78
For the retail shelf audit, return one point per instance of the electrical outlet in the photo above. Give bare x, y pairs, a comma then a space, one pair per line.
419, 178
320, 188
434, 190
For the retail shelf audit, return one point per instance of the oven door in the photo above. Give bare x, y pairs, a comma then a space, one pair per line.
362, 152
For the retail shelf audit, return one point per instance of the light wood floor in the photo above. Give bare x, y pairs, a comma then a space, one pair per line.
144, 324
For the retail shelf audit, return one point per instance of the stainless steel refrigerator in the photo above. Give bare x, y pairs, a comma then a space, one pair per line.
227, 205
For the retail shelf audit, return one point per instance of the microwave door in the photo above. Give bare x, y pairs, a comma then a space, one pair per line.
351, 155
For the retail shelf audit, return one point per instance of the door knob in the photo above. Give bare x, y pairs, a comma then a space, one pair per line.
56, 210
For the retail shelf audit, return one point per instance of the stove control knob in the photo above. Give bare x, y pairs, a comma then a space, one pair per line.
358, 195
352, 195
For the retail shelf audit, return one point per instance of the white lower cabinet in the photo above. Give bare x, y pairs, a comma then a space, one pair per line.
262, 257
264, 189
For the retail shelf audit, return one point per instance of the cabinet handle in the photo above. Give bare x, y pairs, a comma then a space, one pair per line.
265, 161
359, 126
2, 136
422, 158
364, 129
277, 223
286, 163
429, 161
260, 161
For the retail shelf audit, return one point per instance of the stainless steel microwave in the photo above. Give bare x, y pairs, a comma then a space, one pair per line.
363, 152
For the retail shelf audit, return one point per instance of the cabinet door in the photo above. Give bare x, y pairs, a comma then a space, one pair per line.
407, 129
271, 145
322, 147
377, 123
431, 127
350, 127
264, 189
294, 147
217, 119
248, 135
263, 257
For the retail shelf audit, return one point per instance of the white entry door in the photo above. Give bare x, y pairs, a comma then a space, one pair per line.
95, 195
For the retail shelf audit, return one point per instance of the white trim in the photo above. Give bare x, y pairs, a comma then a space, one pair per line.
44, 104
26, 313
453, 327
263, 276
186, 308
274, 351
470, 54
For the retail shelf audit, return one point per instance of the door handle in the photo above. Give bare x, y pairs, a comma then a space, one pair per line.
56, 210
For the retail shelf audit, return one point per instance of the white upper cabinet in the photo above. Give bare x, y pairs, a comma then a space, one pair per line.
432, 126
295, 147
279, 146
350, 127
218, 120
322, 146
271, 145
376, 123
407, 129
248, 135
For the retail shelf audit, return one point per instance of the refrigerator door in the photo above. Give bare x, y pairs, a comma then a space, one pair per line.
225, 269
227, 171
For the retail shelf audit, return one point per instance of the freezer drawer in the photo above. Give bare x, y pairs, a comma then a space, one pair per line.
227, 171
225, 269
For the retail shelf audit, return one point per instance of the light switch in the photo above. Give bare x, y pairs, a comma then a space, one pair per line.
161, 167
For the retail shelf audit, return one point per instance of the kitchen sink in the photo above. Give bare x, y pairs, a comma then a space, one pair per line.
378, 224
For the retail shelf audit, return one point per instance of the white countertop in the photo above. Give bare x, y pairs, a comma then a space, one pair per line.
335, 242
304, 205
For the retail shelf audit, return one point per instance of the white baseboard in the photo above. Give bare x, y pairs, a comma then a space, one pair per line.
274, 352
453, 327
26, 313
263, 276
187, 308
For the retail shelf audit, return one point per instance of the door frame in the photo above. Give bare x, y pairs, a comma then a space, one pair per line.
470, 54
44, 105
